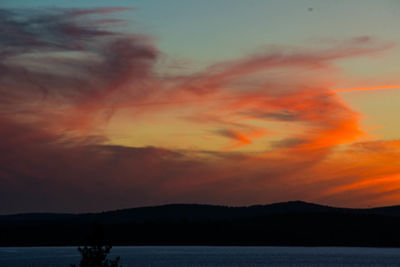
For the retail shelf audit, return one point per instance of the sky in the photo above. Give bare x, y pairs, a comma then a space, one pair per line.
116, 104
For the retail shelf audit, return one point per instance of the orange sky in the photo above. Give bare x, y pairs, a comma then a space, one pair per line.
97, 120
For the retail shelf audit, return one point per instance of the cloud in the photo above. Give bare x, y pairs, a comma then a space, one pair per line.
234, 135
279, 115
65, 74
365, 172
289, 142
373, 88
241, 138
58, 59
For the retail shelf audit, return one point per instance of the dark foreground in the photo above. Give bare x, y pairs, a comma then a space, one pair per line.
209, 256
282, 224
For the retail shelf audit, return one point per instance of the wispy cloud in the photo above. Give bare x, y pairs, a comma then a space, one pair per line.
372, 88
64, 74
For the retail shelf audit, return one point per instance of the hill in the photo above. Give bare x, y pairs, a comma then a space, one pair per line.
289, 223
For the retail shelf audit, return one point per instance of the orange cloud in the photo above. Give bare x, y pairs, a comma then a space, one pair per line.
55, 154
241, 138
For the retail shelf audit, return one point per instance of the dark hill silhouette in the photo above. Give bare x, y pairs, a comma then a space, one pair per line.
288, 223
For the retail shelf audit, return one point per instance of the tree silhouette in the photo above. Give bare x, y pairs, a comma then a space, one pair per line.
95, 255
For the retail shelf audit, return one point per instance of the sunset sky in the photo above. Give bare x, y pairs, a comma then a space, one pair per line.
117, 104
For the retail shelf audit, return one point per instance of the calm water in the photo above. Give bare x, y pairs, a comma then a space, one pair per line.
209, 256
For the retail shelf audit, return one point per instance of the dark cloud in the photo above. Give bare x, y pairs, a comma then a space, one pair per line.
289, 142
283, 115
58, 59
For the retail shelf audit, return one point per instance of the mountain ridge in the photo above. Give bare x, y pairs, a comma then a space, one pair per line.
280, 207
294, 223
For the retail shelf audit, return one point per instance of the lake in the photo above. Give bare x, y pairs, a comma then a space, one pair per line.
208, 256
